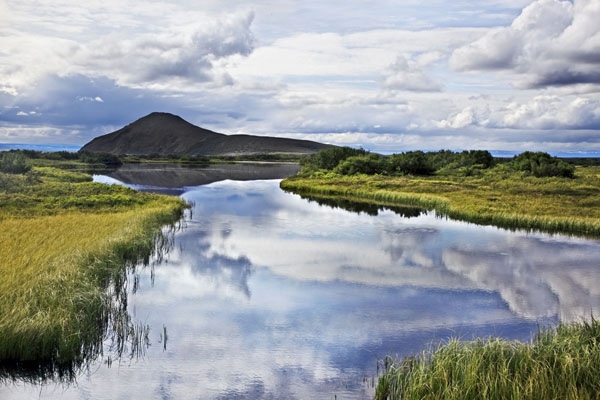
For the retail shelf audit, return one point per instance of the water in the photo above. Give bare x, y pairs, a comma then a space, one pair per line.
268, 295
39, 147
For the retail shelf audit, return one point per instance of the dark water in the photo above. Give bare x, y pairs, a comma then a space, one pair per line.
176, 179
268, 295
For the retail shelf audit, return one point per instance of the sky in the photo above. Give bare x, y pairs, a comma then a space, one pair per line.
388, 76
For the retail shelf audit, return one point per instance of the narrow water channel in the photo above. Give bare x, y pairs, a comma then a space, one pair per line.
268, 295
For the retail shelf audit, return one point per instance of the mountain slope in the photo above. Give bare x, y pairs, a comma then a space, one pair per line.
168, 134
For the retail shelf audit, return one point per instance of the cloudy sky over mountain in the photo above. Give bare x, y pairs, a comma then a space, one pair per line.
385, 75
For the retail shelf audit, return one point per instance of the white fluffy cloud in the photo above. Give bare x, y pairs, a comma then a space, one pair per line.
409, 76
160, 59
543, 112
552, 43
175, 58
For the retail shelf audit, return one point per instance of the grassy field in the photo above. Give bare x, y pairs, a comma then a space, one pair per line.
497, 196
65, 243
559, 364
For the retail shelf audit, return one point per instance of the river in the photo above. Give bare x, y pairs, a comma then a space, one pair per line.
268, 295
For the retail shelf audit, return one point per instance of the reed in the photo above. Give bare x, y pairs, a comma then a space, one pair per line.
561, 363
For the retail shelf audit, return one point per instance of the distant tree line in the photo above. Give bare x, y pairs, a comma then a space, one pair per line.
349, 161
15, 161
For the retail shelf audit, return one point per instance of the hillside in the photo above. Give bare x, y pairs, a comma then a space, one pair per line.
168, 134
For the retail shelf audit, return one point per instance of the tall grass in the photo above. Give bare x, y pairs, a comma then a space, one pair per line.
561, 363
63, 275
497, 197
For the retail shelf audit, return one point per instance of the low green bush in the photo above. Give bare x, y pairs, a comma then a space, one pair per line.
13, 163
542, 164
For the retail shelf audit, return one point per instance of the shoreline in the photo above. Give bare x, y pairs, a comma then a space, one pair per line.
478, 203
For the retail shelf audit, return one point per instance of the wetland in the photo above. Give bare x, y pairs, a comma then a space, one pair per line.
265, 294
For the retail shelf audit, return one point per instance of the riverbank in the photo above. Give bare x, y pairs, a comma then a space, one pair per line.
561, 363
497, 196
65, 243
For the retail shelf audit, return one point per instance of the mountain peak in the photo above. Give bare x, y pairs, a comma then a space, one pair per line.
168, 134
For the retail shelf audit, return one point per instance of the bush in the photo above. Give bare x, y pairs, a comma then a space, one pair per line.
370, 164
110, 160
476, 157
542, 164
330, 158
13, 163
410, 163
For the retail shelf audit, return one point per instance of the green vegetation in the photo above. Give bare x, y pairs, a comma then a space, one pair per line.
349, 161
541, 164
13, 163
467, 186
330, 158
80, 161
65, 243
559, 364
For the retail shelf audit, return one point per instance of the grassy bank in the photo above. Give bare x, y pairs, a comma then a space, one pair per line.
558, 364
64, 245
497, 196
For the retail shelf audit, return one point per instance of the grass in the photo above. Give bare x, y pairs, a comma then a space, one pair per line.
498, 196
65, 243
561, 363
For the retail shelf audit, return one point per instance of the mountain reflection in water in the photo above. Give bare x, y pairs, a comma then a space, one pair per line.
268, 295
174, 178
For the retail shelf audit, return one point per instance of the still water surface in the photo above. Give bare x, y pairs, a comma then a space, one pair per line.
268, 295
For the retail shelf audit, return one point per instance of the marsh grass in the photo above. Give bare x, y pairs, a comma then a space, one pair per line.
497, 196
561, 363
66, 245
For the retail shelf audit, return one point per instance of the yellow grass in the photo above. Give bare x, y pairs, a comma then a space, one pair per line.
496, 197
64, 242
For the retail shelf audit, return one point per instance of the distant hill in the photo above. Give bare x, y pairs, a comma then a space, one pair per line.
168, 134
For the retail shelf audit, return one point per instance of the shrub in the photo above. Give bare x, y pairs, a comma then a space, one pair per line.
476, 157
542, 164
110, 160
13, 163
369, 164
410, 163
441, 159
330, 158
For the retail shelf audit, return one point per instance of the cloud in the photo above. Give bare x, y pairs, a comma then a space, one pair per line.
552, 43
97, 99
543, 112
177, 57
407, 75
458, 120
163, 58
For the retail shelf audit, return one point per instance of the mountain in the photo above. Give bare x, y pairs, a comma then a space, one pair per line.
168, 134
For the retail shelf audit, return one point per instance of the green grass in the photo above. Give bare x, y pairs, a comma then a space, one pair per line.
563, 363
498, 196
65, 243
